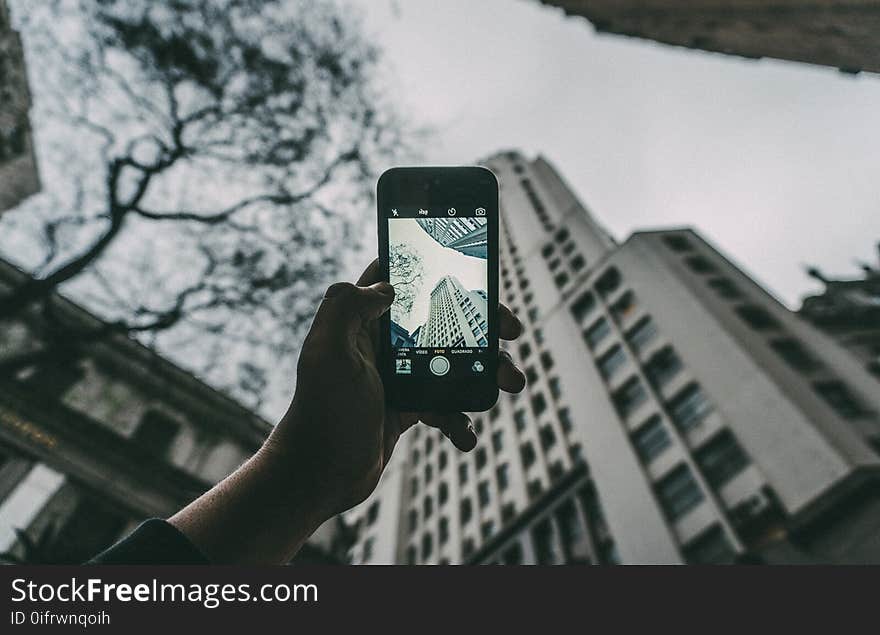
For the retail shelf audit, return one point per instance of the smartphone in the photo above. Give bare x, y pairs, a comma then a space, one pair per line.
438, 247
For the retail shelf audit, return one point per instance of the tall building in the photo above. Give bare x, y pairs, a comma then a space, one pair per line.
675, 413
457, 317
18, 167
105, 435
839, 33
849, 311
467, 235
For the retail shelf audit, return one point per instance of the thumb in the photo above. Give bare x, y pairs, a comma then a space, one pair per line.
349, 305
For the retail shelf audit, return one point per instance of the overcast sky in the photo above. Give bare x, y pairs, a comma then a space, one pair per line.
437, 261
777, 163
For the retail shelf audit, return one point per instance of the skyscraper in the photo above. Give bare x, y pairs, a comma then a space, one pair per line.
675, 412
457, 317
467, 235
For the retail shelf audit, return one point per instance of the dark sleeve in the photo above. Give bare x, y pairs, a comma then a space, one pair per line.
153, 542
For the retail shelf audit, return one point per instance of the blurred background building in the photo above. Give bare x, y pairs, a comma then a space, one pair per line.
96, 439
675, 412
849, 311
839, 33
18, 167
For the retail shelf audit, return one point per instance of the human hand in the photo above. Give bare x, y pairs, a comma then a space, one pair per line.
338, 435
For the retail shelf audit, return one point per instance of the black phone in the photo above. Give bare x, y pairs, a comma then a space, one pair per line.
438, 247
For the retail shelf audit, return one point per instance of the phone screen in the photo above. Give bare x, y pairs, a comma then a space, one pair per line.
438, 265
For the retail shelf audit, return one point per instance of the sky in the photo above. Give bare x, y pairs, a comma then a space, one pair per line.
438, 261
774, 162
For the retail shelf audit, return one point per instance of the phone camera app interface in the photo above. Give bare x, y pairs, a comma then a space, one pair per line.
437, 263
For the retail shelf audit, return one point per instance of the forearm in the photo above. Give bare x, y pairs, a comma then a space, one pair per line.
260, 514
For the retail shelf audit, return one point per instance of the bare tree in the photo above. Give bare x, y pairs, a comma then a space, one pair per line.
406, 271
206, 162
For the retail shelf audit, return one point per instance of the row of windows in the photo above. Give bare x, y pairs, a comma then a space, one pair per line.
790, 350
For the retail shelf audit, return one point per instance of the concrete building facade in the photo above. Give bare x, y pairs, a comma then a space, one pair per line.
18, 167
837, 33
457, 316
94, 441
675, 412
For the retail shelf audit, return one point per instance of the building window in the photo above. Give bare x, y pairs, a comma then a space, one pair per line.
524, 351
539, 404
443, 530
597, 332
443, 493
533, 314
415, 455
467, 548
411, 555
577, 263
486, 529
556, 470
429, 445
546, 360
725, 288
663, 366
156, 433
625, 307
721, 459
495, 412
481, 458
429, 473
414, 485
531, 375
508, 511
582, 306
611, 361
413, 520
502, 477
555, 389
562, 235
465, 510
560, 279
795, 355
565, 420
554, 264
756, 317
483, 493
548, 250
650, 439
519, 418
478, 426
427, 546
710, 547
642, 334
689, 407
608, 282
700, 265
497, 441
534, 489
678, 492
677, 243
368, 549
442, 460
548, 438
629, 396
839, 397
542, 538
575, 452
463, 473
372, 513
428, 505
527, 454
